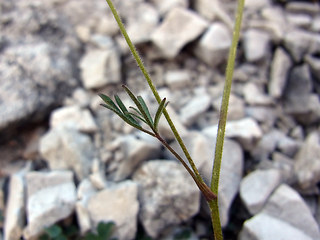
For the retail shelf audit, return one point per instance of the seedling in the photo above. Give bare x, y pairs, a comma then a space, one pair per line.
141, 113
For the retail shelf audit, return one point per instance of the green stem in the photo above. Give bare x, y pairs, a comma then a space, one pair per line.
214, 208
153, 89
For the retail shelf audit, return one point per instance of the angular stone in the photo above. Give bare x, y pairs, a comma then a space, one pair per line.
164, 6
67, 149
168, 195
300, 43
307, 161
177, 79
100, 67
254, 95
256, 188
256, 45
193, 109
265, 227
15, 209
213, 46
246, 131
179, 27
73, 117
287, 205
45, 203
142, 22
281, 64
135, 151
117, 203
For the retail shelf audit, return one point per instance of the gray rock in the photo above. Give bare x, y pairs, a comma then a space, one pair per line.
193, 109
179, 27
212, 10
256, 188
213, 46
100, 67
265, 227
117, 203
254, 95
73, 117
142, 22
257, 5
287, 205
299, 100
177, 79
246, 131
164, 6
307, 161
302, 7
256, 45
168, 195
65, 148
262, 114
300, 43
135, 151
299, 20
45, 203
281, 64
15, 209
314, 64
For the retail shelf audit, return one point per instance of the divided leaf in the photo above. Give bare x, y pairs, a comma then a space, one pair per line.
159, 112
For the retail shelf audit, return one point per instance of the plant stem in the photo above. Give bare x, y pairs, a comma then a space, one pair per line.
214, 208
153, 89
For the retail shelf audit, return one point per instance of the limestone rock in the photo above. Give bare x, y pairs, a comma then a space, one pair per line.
135, 152
117, 203
179, 27
73, 117
213, 46
246, 131
177, 79
51, 197
307, 161
281, 64
254, 95
66, 148
256, 45
100, 67
15, 210
256, 188
193, 109
164, 6
167, 195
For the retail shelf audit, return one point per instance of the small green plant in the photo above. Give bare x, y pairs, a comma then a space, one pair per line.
104, 232
56, 232
141, 113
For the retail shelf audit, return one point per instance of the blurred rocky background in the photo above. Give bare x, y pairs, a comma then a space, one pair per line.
66, 160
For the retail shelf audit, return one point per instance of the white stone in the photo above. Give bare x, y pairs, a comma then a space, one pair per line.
213, 46
246, 131
193, 109
265, 227
307, 161
117, 203
100, 67
256, 45
51, 197
15, 209
256, 188
280, 66
66, 148
177, 79
168, 195
213, 10
73, 117
254, 95
142, 22
287, 205
164, 6
135, 152
179, 27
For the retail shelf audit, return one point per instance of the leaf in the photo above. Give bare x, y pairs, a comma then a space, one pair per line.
120, 104
105, 229
53, 231
109, 102
162, 105
140, 107
145, 109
